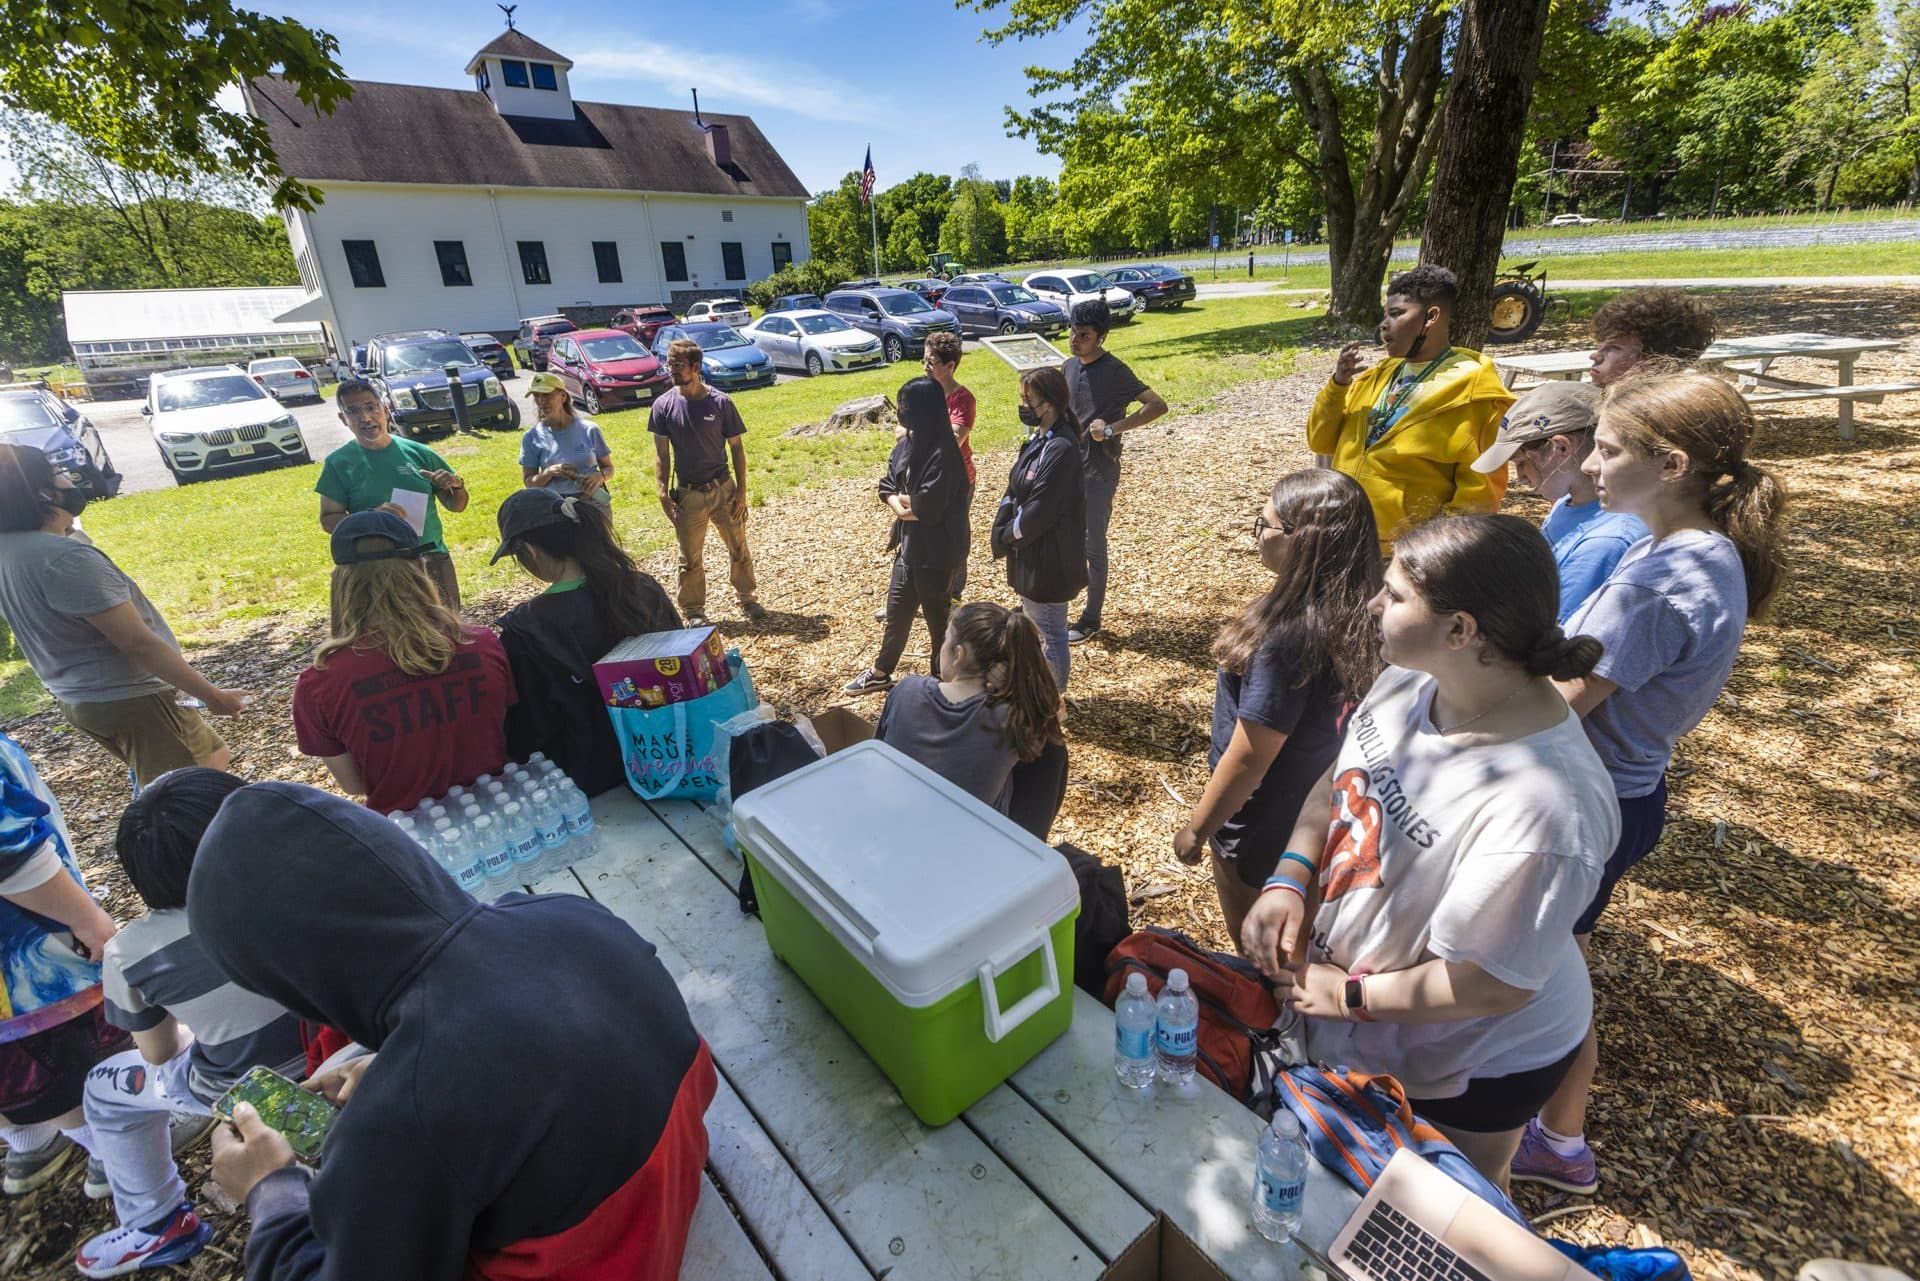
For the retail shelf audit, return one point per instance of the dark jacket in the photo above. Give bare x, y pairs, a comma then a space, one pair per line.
935, 482
1045, 493
552, 643
535, 1108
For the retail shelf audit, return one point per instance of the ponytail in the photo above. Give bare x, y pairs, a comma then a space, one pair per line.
1005, 646
1712, 424
1561, 656
586, 535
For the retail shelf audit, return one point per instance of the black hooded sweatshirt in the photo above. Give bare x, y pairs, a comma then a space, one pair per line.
936, 481
536, 1106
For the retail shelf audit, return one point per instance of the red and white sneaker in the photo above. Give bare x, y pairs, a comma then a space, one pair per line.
128, 1249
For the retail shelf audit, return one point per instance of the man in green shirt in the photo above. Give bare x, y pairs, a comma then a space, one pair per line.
378, 471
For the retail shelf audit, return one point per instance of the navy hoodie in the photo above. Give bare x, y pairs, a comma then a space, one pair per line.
536, 1106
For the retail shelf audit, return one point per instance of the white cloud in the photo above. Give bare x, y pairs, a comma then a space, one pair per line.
727, 81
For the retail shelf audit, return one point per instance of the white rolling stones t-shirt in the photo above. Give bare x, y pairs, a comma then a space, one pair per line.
1477, 854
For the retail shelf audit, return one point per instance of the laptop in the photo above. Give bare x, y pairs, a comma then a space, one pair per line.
1416, 1224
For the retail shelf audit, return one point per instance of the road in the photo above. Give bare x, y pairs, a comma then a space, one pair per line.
130, 444
1616, 243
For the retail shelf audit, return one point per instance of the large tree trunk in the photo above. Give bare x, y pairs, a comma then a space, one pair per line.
1361, 224
1481, 134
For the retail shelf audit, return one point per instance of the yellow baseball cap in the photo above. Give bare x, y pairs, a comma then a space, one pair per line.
544, 381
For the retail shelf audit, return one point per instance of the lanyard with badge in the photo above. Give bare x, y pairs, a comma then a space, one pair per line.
1381, 417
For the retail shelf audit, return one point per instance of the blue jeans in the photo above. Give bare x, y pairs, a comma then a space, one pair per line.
1052, 622
1100, 489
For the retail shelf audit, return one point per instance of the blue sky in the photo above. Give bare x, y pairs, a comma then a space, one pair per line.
822, 78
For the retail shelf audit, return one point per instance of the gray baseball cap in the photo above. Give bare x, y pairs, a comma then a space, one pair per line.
1556, 408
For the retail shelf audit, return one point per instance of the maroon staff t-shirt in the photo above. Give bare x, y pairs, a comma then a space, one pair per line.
412, 736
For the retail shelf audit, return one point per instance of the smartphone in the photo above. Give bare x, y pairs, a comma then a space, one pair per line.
301, 1116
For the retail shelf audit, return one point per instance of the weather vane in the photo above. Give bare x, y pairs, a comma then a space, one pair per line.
508, 10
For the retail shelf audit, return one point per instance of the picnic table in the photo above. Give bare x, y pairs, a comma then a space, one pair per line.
1750, 359
817, 1167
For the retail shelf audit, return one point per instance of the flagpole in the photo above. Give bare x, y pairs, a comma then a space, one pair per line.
873, 214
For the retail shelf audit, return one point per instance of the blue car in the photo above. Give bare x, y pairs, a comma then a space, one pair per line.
729, 360
34, 417
1000, 308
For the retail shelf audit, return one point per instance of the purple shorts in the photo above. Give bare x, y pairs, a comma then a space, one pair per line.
42, 1076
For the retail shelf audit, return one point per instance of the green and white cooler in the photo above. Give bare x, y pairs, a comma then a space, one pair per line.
938, 932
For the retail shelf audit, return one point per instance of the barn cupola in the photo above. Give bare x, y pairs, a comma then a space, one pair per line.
522, 77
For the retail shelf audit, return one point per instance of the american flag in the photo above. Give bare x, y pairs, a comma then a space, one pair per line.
866, 178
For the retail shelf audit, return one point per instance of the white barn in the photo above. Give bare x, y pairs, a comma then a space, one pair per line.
468, 210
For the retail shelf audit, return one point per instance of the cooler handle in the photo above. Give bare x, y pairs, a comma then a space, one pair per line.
999, 1022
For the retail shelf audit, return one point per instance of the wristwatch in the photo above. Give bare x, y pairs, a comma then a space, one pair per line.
1353, 997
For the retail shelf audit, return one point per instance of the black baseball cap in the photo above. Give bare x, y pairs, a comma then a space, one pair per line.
526, 510
406, 543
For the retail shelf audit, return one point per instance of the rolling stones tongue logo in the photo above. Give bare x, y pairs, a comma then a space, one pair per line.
1352, 858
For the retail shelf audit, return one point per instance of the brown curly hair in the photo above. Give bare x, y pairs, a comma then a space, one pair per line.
1666, 321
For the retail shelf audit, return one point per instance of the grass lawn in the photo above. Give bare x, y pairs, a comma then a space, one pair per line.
251, 546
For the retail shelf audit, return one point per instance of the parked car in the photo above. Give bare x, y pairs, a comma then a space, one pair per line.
357, 362
900, 319
285, 379
536, 335
606, 369
859, 284
1153, 285
492, 353
729, 360
35, 417
643, 322
794, 302
932, 290
726, 311
217, 419
814, 340
1571, 220
1078, 285
979, 278
997, 308
410, 373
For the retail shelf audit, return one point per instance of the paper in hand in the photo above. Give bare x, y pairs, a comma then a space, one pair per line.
414, 504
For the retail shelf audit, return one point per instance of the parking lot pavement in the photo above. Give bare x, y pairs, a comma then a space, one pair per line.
130, 444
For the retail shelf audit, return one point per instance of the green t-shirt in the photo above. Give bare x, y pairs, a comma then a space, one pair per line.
361, 479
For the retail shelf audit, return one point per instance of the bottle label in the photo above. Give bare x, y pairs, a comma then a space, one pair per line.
1279, 1197
1177, 1042
1134, 1043
471, 875
553, 836
581, 822
527, 848
499, 858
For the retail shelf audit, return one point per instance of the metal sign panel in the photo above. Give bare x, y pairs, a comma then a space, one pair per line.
1024, 351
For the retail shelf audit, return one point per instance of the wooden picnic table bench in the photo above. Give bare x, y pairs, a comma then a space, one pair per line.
827, 1175
1749, 359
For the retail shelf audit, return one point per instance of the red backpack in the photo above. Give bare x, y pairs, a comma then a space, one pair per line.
1238, 1044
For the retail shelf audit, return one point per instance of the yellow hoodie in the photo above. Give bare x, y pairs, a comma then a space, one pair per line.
1421, 468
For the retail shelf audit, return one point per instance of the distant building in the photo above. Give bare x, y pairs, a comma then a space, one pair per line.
470, 209
120, 336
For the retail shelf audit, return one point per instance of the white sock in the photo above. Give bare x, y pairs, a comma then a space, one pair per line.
83, 1135
29, 1138
1564, 1144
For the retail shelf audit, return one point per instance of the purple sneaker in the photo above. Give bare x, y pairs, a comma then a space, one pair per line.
1537, 1162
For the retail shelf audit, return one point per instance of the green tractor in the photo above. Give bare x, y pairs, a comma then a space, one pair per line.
945, 266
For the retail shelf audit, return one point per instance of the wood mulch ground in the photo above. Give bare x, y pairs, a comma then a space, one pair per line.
1758, 979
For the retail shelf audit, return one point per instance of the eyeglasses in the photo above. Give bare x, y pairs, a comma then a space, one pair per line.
1261, 526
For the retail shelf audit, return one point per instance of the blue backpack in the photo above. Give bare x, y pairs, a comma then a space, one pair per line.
1355, 1122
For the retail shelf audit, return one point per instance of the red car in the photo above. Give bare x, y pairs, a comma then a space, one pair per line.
643, 322
606, 369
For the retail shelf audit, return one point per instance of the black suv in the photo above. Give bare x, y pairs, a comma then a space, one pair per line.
901, 320
409, 370
536, 335
492, 353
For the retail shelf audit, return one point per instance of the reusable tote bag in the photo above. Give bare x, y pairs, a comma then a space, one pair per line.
668, 751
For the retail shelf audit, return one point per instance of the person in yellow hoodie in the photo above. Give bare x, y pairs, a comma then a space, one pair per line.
1409, 428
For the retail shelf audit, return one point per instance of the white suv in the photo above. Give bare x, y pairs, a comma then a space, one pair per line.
215, 420
728, 311
1072, 286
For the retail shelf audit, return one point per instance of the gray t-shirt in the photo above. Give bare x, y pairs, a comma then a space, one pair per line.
49, 587
579, 443
961, 742
699, 429
1671, 617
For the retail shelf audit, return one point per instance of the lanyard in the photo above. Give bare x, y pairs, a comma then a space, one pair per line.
1381, 417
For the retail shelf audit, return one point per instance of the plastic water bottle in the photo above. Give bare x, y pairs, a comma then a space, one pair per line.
539, 766
523, 839
496, 854
1176, 1033
1280, 1178
454, 796
583, 841
1134, 1018
458, 858
551, 824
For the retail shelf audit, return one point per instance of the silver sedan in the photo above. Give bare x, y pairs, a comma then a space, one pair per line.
285, 378
816, 341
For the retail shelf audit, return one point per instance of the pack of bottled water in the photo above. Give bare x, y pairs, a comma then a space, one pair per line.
503, 832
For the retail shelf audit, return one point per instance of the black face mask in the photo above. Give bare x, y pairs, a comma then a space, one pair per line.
71, 501
1028, 417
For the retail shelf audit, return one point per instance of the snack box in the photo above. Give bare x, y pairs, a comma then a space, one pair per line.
663, 667
937, 931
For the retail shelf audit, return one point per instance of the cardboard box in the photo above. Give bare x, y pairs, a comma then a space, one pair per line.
663, 667
839, 728
1163, 1253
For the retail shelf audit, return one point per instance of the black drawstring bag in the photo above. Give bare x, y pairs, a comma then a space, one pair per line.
769, 750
